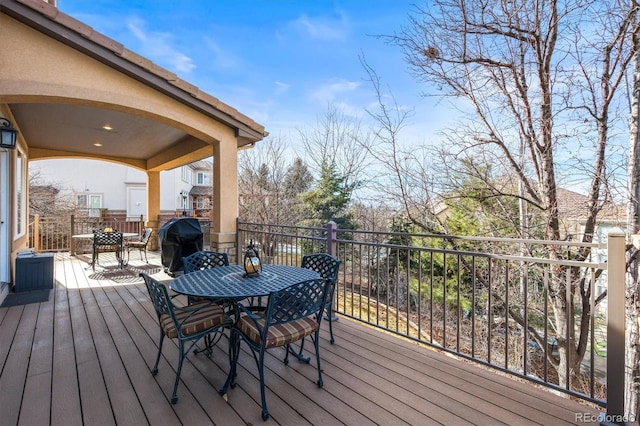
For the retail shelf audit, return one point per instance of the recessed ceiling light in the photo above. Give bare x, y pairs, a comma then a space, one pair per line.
97, 144
107, 127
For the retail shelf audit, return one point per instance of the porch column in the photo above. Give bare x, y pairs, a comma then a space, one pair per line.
225, 197
153, 206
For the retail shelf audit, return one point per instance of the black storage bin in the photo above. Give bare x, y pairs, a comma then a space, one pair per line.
179, 238
34, 271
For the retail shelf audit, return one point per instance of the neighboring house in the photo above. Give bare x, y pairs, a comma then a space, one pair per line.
186, 189
611, 219
73, 93
572, 207
201, 192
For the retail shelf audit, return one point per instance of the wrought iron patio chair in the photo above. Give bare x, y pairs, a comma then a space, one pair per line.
140, 245
327, 266
104, 242
204, 259
188, 324
201, 260
198, 261
291, 314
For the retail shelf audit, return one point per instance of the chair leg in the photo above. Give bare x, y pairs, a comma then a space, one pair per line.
316, 341
94, 260
298, 354
210, 340
234, 352
174, 397
263, 398
330, 318
154, 370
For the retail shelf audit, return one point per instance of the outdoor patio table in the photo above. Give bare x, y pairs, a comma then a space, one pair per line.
230, 282
90, 237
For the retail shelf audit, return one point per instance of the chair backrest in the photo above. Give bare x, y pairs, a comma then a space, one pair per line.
204, 259
159, 295
101, 238
325, 265
295, 302
146, 235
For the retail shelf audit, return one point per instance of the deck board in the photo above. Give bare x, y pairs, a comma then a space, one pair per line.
84, 357
442, 382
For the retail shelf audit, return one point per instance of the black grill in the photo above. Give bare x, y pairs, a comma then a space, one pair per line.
179, 238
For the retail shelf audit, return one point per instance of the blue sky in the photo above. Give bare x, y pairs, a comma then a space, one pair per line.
281, 62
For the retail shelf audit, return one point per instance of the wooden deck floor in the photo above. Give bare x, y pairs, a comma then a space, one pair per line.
83, 357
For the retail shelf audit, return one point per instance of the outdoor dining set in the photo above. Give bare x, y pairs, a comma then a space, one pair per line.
107, 239
264, 306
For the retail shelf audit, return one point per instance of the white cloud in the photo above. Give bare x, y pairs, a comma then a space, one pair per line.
322, 29
221, 57
158, 47
350, 110
281, 87
330, 91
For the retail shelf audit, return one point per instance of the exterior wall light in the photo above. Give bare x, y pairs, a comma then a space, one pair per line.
8, 134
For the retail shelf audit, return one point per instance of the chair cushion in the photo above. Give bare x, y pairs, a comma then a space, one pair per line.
205, 318
136, 244
281, 334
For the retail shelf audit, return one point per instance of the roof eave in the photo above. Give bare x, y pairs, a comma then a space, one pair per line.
83, 38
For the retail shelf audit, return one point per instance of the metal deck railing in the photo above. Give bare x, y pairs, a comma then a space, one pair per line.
495, 301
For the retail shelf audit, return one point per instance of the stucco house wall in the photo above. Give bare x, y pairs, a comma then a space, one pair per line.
121, 187
65, 84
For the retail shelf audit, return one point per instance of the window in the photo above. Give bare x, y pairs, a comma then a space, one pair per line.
20, 191
203, 203
186, 174
92, 203
202, 178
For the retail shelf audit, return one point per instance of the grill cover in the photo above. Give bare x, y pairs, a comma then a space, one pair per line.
179, 238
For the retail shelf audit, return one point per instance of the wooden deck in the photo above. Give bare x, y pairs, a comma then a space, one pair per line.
84, 356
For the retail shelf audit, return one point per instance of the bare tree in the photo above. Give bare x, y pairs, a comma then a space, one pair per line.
336, 143
270, 183
632, 350
532, 80
46, 198
404, 179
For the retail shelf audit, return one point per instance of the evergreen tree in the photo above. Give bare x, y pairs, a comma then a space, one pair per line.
328, 200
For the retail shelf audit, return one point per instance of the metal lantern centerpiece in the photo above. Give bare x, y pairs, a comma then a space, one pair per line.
252, 263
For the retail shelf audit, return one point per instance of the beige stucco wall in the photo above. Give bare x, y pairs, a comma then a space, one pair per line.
43, 70
48, 71
21, 242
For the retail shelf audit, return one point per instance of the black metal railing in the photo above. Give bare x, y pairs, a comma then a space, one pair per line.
487, 300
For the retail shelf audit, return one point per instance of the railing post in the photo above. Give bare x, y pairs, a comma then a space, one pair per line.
36, 232
332, 233
72, 241
238, 242
616, 262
